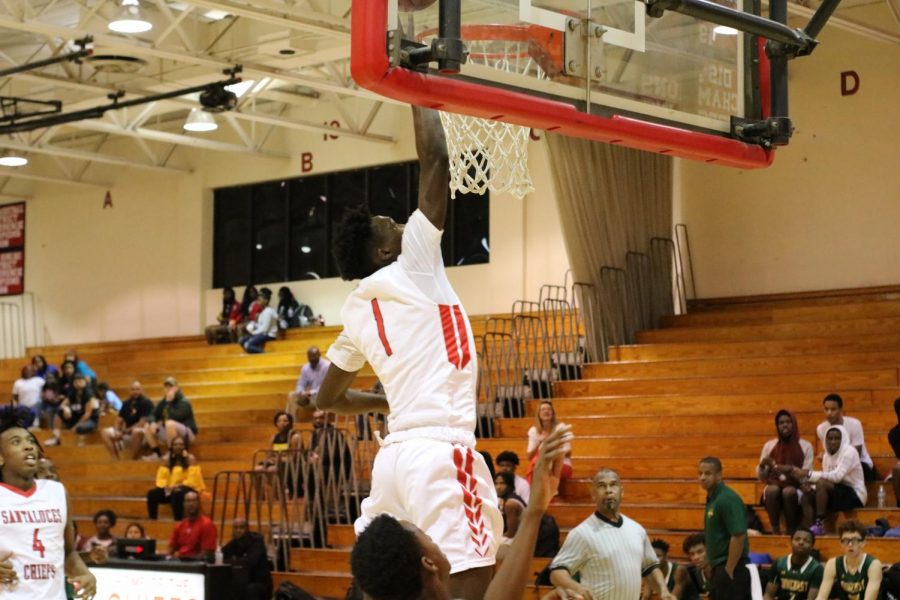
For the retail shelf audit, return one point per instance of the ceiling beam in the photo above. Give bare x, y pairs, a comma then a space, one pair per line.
90, 156
16, 174
846, 24
282, 17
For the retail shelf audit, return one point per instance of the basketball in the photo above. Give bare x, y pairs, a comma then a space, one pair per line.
414, 5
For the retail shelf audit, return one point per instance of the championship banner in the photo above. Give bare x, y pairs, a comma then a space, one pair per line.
12, 225
12, 272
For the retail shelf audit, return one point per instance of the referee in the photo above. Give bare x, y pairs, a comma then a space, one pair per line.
608, 551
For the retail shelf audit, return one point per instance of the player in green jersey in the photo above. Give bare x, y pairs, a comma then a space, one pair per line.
855, 575
798, 575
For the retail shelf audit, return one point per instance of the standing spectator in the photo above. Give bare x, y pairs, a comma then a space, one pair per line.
777, 461
42, 368
894, 440
508, 462
108, 398
840, 485
80, 411
178, 475
26, 392
264, 328
227, 321
173, 417
194, 537
291, 313
130, 424
669, 569
81, 366
546, 424
833, 405
692, 583
855, 575
725, 532
510, 503
311, 377
248, 550
609, 551
798, 575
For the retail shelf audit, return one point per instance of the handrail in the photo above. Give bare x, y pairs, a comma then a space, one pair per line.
683, 251
662, 265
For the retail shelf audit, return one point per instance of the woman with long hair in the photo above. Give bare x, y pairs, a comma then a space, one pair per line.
227, 321
546, 424
178, 475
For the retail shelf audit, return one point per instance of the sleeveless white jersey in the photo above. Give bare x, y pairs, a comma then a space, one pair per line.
407, 322
32, 527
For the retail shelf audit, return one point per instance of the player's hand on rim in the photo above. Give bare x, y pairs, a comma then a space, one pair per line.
7, 571
549, 467
85, 586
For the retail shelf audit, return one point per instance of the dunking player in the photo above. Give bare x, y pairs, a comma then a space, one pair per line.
405, 319
37, 540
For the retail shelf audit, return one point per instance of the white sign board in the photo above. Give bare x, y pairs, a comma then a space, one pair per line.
140, 584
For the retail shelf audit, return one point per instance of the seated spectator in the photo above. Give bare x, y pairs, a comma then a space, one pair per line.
291, 313
194, 537
247, 549
669, 568
81, 366
176, 477
264, 328
134, 531
51, 399
311, 377
692, 583
98, 544
285, 438
546, 424
108, 398
510, 503
227, 321
128, 432
833, 405
80, 411
798, 575
839, 486
173, 417
249, 309
894, 440
777, 461
508, 462
855, 575
42, 368
26, 392
67, 377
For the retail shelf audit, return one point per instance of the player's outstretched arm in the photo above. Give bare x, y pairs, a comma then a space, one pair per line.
434, 167
84, 581
336, 396
513, 575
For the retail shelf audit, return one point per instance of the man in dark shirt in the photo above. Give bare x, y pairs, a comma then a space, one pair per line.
173, 417
196, 535
725, 529
128, 431
247, 549
894, 439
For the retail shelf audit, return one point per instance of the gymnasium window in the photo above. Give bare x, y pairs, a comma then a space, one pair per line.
281, 230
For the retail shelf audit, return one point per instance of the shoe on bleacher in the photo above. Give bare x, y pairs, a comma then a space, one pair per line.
818, 528
54, 441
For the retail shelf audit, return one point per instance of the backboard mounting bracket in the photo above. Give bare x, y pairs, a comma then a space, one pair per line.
583, 49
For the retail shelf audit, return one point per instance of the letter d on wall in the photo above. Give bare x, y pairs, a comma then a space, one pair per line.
849, 83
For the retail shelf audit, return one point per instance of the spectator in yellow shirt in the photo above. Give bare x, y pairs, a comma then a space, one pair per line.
178, 475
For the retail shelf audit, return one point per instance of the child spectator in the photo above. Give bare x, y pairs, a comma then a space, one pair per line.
80, 411
26, 392
41, 368
291, 313
227, 321
108, 398
134, 531
264, 328
178, 475
130, 424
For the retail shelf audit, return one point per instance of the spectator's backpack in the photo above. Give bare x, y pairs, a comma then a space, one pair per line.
547, 544
890, 583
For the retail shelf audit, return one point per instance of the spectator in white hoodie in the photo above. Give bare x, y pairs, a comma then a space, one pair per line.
264, 328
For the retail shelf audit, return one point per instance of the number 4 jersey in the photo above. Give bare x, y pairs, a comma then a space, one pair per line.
407, 322
32, 528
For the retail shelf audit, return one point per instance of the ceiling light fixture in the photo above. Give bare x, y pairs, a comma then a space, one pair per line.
724, 30
11, 158
200, 120
129, 19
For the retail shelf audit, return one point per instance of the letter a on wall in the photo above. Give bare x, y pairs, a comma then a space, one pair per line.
107, 200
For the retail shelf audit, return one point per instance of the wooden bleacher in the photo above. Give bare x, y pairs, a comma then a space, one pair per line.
705, 383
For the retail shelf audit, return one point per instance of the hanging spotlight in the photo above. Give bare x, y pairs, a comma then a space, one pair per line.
724, 30
10, 158
200, 120
129, 19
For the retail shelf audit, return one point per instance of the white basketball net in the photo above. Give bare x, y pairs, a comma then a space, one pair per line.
488, 154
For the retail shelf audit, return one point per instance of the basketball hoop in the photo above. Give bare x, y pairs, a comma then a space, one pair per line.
486, 154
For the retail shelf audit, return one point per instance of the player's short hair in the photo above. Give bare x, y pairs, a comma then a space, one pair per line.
695, 539
386, 561
508, 456
18, 417
351, 246
807, 531
852, 526
836, 398
660, 544
108, 514
714, 461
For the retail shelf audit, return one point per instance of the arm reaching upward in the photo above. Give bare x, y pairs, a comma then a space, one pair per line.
434, 167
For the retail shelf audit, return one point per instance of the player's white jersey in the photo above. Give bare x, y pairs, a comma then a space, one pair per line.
407, 322
32, 527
